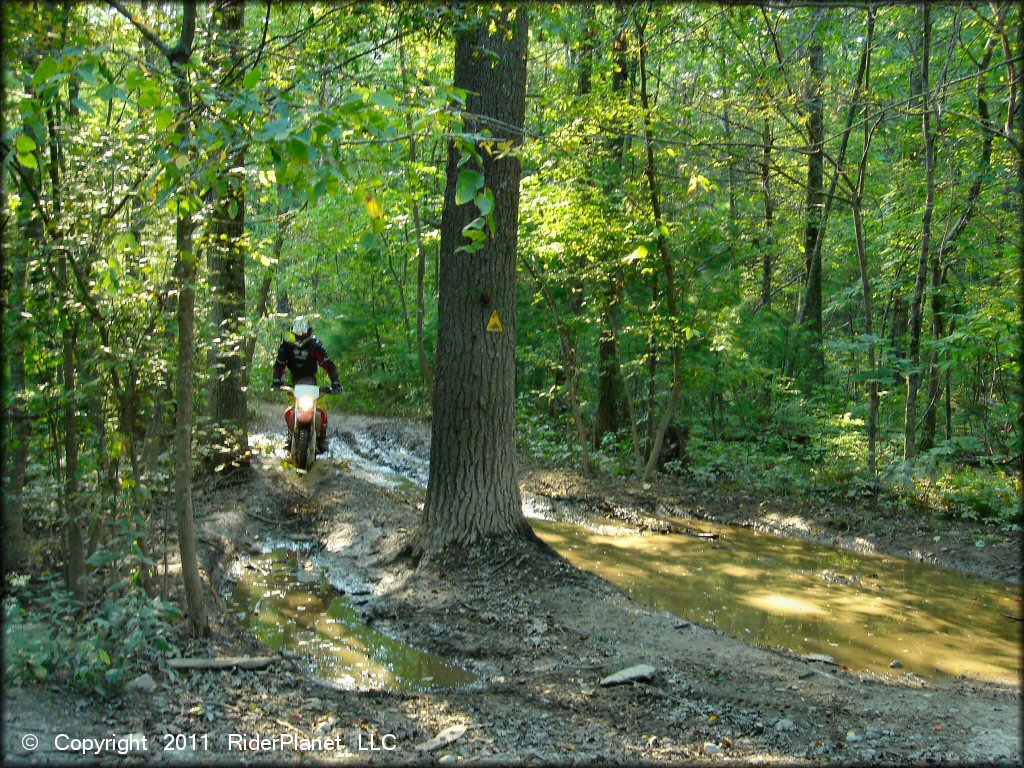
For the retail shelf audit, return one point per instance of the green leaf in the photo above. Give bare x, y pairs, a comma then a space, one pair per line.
107, 91
253, 78
87, 73
29, 161
163, 119
47, 68
81, 105
485, 202
384, 99
135, 78
368, 241
103, 557
468, 184
299, 150
25, 144
104, 656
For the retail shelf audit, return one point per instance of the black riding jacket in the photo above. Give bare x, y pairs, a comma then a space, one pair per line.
303, 360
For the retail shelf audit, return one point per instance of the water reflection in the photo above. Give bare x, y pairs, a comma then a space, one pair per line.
294, 610
864, 610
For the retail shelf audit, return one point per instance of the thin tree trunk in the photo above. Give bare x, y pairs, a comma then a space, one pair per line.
1019, 84
421, 250
768, 243
940, 257
569, 365
18, 420
862, 259
229, 408
263, 299
73, 523
914, 377
666, 263
811, 318
606, 413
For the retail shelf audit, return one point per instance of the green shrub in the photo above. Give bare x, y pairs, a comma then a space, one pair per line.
48, 635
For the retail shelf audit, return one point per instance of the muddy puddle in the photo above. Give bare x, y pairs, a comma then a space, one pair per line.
866, 611
289, 605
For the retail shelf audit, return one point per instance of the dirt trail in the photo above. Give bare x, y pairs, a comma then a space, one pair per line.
540, 635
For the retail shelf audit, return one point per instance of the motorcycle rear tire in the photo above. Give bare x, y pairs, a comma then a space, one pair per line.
301, 455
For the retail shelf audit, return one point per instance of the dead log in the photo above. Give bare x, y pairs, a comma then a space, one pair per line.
223, 662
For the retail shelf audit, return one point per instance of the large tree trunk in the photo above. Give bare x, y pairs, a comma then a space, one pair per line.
473, 491
226, 253
914, 377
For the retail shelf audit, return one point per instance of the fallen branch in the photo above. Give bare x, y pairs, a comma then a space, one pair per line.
271, 520
224, 662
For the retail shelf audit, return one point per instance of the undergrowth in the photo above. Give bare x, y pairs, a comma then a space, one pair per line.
94, 648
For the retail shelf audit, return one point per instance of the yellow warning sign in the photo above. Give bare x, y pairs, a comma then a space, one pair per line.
495, 326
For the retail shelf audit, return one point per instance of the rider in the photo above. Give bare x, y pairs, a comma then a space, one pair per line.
302, 353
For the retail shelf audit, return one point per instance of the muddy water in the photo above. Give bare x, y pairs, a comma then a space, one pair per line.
291, 608
866, 611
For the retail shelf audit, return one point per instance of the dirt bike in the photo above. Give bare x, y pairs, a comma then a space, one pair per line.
301, 430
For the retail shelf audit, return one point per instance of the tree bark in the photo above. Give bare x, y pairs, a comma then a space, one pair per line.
811, 318
914, 376
609, 383
73, 523
1019, 84
18, 420
263, 299
862, 259
939, 265
226, 253
473, 491
421, 251
668, 413
569, 366
768, 244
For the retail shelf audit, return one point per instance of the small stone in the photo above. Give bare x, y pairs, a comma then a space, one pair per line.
142, 684
896, 664
822, 658
637, 673
712, 749
784, 725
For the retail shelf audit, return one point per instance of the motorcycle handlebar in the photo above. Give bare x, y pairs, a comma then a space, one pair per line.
290, 388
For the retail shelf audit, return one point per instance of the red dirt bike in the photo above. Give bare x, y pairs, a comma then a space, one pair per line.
303, 425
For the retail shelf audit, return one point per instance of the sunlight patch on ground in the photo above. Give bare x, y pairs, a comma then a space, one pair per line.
785, 604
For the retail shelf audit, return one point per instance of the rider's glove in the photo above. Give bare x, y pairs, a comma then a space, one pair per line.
336, 388
277, 384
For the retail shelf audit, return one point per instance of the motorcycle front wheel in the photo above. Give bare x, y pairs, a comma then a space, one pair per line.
300, 448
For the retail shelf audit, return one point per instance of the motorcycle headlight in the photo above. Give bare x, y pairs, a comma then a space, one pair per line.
306, 403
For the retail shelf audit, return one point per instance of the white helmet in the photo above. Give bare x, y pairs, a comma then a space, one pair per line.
301, 328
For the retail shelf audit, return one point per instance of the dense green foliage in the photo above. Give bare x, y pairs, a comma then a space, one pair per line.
337, 118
